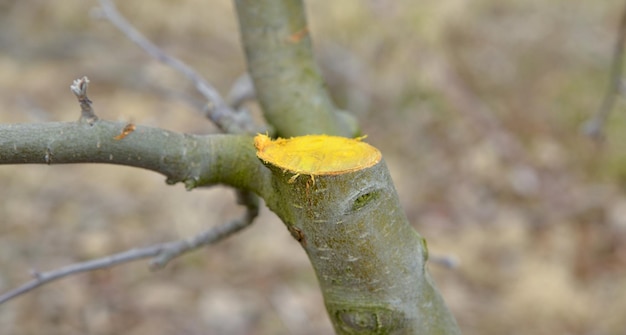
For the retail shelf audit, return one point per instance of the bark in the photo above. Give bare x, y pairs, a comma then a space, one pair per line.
370, 262
288, 84
195, 160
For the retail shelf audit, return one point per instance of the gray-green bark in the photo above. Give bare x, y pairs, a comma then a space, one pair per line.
288, 84
370, 263
368, 259
195, 160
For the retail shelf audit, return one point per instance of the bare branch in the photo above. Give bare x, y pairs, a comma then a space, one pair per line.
241, 92
79, 88
41, 278
218, 111
162, 253
215, 109
594, 127
175, 249
195, 160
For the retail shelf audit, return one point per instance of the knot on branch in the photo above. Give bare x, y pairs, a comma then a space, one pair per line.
368, 319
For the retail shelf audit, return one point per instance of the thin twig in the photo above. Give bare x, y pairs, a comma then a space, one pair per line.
594, 127
162, 253
215, 109
41, 278
241, 92
79, 88
213, 235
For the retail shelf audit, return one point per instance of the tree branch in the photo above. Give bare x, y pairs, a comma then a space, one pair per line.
280, 60
196, 160
175, 249
216, 109
161, 253
230, 118
42, 278
241, 92
594, 127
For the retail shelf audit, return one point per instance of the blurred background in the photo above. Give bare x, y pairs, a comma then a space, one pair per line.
476, 105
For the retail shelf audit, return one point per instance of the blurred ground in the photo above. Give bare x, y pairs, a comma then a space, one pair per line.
476, 106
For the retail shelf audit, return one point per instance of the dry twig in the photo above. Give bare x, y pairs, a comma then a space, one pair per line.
175, 249
41, 278
220, 113
241, 92
161, 253
79, 88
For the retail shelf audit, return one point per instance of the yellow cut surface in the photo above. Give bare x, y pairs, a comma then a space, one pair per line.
317, 154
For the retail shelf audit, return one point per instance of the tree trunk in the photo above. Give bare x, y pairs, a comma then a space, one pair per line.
336, 197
